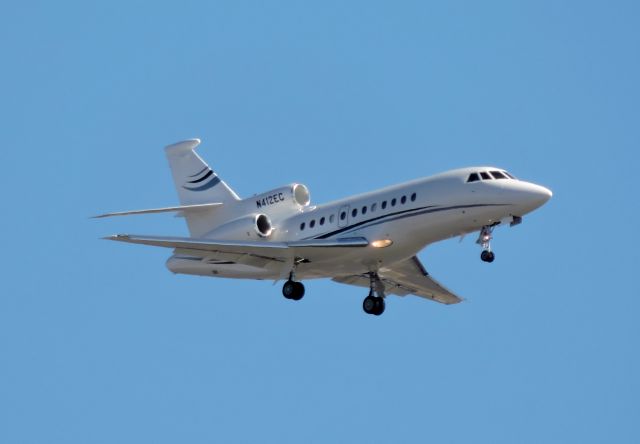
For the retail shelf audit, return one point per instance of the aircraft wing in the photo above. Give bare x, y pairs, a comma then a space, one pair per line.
406, 277
278, 251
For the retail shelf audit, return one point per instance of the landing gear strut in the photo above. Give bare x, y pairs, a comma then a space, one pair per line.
293, 289
373, 304
484, 239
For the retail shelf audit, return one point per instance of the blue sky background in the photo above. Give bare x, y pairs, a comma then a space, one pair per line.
99, 343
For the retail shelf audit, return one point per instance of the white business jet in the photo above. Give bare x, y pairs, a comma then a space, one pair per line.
369, 240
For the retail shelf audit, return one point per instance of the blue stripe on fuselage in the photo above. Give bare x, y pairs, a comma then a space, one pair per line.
399, 215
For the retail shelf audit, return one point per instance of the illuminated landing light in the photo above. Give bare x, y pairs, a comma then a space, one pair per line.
382, 243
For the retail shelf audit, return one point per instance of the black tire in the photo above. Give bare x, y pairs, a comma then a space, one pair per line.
289, 289
369, 304
298, 291
380, 306
487, 256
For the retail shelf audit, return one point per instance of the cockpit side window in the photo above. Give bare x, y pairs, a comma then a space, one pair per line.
473, 177
485, 176
510, 176
498, 175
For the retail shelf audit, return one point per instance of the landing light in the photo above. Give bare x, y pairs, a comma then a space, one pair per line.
382, 243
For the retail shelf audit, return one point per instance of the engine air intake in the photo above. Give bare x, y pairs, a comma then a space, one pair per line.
263, 225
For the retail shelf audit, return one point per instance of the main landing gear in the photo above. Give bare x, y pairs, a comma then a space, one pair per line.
374, 305
484, 239
293, 289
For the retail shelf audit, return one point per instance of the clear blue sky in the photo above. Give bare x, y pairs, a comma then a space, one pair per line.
99, 343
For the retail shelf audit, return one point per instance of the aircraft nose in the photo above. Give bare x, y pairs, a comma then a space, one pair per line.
544, 194
538, 195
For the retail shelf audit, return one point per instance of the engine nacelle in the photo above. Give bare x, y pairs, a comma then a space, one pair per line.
254, 217
294, 196
253, 226
262, 225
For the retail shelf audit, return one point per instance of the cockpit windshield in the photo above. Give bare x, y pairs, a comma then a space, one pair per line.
489, 175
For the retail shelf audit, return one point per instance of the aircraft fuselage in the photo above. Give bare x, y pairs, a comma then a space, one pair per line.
407, 217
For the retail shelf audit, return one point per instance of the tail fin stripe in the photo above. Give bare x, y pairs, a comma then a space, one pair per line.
200, 172
202, 178
206, 186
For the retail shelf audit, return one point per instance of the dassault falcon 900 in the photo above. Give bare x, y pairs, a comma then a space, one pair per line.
369, 240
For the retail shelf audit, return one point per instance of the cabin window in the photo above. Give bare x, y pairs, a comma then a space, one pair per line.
413, 197
331, 218
302, 226
373, 207
343, 215
384, 204
473, 177
485, 176
393, 202
322, 220
312, 223
354, 212
403, 200
364, 210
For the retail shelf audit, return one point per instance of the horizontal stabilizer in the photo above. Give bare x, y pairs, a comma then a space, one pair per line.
181, 209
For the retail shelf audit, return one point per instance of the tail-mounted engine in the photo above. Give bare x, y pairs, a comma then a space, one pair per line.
255, 216
253, 226
263, 225
283, 199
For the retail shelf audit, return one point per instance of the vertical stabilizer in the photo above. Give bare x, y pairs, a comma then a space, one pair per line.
196, 183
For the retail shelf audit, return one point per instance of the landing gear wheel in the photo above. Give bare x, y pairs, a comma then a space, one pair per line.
373, 305
288, 289
369, 304
487, 256
293, 290
380, 306
298, 292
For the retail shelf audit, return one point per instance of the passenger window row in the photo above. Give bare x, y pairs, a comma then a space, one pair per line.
489, 175
354, 212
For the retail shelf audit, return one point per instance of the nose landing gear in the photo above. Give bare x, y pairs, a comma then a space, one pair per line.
484, 239
374, 303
